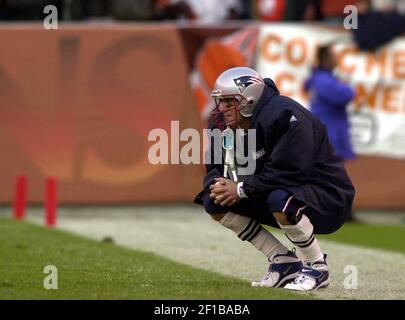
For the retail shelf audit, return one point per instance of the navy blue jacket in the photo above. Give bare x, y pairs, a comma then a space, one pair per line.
298, 157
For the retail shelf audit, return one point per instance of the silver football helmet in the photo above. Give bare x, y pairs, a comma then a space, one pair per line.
241, 83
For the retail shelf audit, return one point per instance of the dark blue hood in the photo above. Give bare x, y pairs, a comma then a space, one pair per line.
269, 91
271, 85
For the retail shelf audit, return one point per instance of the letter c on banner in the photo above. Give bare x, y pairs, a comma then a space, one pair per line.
284, 80
266, 49
296, 51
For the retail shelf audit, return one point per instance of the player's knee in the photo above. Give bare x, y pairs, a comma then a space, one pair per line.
285, 208
213, 209
277, 199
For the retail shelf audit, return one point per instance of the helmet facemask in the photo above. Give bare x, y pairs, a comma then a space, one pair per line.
223, 116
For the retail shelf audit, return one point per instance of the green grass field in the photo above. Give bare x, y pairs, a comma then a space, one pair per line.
386, 237
95, 270
89, 269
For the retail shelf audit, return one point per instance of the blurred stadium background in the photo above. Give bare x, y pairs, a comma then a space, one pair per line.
77, 104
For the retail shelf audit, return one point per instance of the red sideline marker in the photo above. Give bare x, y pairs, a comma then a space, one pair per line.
20, 197
50, 202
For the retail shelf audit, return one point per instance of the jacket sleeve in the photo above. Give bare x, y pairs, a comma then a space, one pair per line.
335, 92
291, 160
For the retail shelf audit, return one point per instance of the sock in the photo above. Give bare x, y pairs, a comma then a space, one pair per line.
302, 235
250, 230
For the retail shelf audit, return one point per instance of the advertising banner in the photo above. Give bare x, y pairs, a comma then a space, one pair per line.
286, 53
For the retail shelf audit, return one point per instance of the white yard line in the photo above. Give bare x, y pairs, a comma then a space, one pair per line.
188, 235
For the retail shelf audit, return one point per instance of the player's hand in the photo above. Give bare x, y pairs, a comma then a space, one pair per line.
224, 191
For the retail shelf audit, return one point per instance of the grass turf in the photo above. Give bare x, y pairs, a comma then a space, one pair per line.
94, 270
386, 237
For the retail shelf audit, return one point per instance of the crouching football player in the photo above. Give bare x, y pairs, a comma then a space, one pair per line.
298, 185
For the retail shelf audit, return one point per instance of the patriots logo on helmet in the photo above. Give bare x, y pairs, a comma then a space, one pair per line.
245, 81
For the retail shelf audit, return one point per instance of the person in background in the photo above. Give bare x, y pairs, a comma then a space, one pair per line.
329, 98
379, 22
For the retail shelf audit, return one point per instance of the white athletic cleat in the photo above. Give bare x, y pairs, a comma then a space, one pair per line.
283, 268
312, 276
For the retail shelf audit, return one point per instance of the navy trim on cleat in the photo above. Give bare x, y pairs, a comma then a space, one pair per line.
282, 269
314, 275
